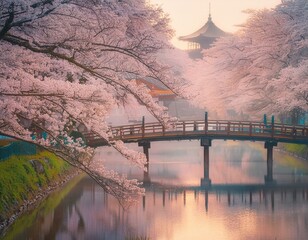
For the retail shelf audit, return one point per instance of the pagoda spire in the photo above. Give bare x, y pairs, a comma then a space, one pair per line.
210, 17
204, 37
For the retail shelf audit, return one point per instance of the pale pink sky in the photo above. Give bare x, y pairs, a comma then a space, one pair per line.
188, 16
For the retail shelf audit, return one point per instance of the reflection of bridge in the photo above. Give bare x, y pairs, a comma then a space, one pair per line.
207, 130
233, 194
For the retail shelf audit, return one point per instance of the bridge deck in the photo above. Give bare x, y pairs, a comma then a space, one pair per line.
217, 129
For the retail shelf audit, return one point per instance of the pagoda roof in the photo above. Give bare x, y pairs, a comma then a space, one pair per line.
209, 30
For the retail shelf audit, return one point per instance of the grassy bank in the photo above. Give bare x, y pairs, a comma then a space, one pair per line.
45, 208
22, 176
300, 150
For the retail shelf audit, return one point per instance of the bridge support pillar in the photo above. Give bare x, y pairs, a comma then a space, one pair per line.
269, 177
206, 181
146, 146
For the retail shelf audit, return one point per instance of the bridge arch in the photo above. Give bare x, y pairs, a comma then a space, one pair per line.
206, 131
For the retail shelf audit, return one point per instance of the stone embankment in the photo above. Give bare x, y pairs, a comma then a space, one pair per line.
25, 180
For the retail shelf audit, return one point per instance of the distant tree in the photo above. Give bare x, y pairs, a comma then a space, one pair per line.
264, 66
66, 63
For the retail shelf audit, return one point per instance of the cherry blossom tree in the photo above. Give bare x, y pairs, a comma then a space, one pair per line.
68, 63
263, 67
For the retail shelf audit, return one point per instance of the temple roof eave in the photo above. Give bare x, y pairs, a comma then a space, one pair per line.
209, 30
196, 39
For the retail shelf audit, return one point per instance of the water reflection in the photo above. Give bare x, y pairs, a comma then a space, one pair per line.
176, 213
181, 163
175, 207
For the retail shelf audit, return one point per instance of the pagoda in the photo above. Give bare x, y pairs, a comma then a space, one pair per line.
203, 38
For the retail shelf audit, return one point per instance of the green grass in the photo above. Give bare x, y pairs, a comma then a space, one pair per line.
43, 209
19, 181
298, 149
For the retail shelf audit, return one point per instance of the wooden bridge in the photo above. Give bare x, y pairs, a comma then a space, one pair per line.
200, 129
206, 130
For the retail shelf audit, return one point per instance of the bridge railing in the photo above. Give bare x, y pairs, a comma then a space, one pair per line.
197, 128
210, 127
291, 130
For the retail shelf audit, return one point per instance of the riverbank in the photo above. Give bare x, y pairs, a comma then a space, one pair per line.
43, 211
26, 180
296, 150
85, 211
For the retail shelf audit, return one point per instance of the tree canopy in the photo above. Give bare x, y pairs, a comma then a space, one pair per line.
68, 63
263, 68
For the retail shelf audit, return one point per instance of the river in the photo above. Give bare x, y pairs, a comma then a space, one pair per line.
238, 207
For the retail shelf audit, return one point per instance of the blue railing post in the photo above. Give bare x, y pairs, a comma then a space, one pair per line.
265, 120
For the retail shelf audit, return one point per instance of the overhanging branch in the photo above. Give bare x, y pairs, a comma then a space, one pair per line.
50, 50
8, 23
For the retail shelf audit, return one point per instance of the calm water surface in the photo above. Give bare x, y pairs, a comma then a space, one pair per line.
81, 210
